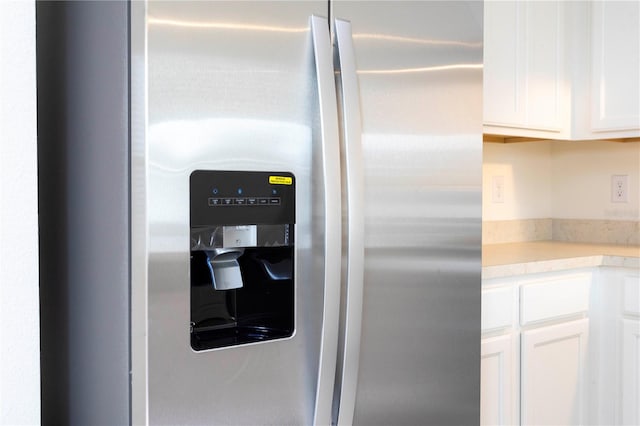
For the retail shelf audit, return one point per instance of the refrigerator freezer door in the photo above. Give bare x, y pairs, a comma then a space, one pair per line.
229, 86
420, 77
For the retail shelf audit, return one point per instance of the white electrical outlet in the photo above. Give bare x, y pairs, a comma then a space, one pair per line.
497, 189
619, 188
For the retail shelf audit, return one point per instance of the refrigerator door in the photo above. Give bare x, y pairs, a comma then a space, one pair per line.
419, 69
227, 86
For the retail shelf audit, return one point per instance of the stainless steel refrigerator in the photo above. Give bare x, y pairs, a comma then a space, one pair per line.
261, 212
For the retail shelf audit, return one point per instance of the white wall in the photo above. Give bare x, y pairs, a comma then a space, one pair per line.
559, 179
19, 307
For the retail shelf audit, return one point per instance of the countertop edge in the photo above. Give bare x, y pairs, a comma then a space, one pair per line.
564, 259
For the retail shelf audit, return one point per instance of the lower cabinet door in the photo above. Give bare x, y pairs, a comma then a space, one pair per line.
553, 373
497, 381
631, 372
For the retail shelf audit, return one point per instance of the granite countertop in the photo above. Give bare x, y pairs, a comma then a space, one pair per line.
510, 259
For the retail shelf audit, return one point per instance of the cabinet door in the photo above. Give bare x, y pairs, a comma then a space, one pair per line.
615, 81
553, 374
503, 65
631, 372
497, 381
523, 70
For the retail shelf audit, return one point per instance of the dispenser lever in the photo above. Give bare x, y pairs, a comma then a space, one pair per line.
224, 268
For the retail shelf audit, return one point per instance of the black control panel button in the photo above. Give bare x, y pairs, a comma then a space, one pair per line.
248, 201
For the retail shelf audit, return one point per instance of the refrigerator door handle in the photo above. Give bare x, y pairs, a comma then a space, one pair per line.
332, 217
349, 99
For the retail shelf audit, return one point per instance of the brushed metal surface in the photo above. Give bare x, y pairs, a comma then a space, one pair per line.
420, 75
231, 86
139, 229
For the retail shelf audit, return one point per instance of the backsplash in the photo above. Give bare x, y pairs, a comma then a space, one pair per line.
512, 231
560, 190
624, 232
568, 230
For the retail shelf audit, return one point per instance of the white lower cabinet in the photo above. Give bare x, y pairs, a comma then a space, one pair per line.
553, 368
615, 346
630, 372
562, 348
534, 349
497, 378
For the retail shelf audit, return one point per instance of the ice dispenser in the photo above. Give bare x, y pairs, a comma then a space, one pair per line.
242, 257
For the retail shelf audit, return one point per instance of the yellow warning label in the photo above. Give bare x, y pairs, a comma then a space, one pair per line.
280, 180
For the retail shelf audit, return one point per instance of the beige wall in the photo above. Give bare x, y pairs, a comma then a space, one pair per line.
526, 168
568, 180
582, 179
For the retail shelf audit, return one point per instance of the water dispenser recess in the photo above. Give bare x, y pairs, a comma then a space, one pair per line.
242, 257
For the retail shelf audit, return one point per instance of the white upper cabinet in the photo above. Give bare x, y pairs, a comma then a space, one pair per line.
523, 67
615, 66
562, 70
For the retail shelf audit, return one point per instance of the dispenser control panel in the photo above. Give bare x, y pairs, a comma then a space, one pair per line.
242, 257
238, 198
